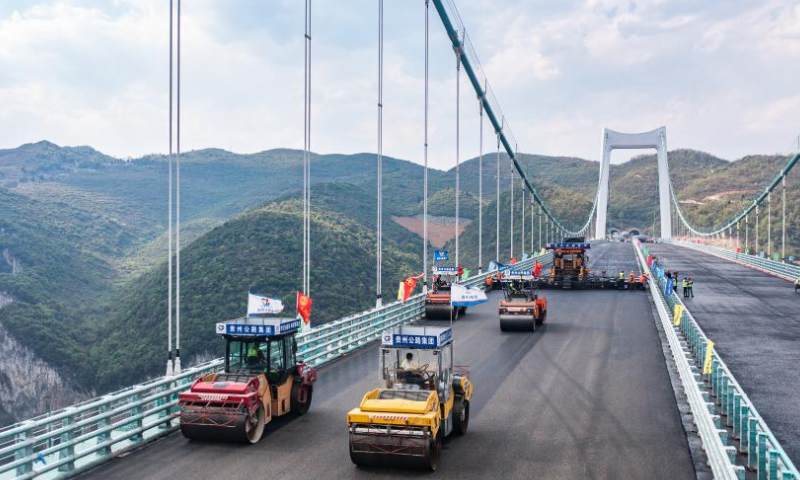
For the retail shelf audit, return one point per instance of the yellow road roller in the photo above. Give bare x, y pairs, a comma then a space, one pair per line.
426, 398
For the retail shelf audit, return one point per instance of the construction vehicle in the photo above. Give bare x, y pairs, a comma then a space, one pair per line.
262, 380
569, 269
405, 423
522, 309
437, 301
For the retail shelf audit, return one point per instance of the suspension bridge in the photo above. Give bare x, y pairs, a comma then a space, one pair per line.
617, 384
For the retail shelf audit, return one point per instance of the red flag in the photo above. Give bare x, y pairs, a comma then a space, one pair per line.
513, 261
537, 268
304, 308
409, 284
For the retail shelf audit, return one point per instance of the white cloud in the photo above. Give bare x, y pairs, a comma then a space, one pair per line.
718, 74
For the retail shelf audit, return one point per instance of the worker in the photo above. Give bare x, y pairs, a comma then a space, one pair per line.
797, 285
685, 287
409, 371
254, 355
408, 363
691, 286
621, 279
631, 278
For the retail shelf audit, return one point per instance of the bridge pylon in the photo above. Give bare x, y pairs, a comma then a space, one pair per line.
656, 139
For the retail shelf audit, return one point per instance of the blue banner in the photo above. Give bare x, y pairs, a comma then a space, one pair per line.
440, 255
668, 287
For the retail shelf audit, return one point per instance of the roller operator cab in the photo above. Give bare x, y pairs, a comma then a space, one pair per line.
425, 399
521, 308
437, 301
262, 380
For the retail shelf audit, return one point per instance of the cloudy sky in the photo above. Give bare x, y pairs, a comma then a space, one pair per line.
722, 75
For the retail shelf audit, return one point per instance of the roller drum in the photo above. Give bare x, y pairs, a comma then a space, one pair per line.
440, 311
517, 323
223, 427
388, 451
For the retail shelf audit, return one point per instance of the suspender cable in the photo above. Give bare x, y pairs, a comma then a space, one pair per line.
511, 237
458, 143
379, 259
177, 368
540, 227
480, 193
758, 220
746, 232
769, 225
532, 248
497, 205
169, 206
425, 170
522, 226
307, 155
783, 222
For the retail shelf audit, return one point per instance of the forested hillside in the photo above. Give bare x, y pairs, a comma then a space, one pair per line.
258, 251
83, 245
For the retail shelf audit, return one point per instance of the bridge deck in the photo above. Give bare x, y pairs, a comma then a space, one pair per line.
587, 396
754, 320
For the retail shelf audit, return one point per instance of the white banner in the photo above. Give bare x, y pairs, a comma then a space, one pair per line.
462, 296
258, 305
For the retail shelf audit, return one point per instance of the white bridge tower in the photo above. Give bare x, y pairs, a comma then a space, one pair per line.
656, 139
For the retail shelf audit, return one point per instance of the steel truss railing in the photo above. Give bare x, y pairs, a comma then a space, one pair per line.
729, 425
68, 441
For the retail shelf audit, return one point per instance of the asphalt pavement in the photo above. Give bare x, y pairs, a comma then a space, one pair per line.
754, 320
586, 396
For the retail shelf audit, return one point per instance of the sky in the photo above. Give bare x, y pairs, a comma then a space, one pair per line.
720, 74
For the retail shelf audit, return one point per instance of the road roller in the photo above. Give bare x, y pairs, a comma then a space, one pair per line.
262, 379
425, 399
437, 301
522, 309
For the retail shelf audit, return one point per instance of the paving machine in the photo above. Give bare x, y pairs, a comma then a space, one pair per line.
425, 399
522, 309
437, 301
570, 270
262, 380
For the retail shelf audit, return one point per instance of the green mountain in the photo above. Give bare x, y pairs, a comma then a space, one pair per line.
83, 245
257, 251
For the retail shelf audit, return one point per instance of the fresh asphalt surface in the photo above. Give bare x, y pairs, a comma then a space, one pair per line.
585, 396
754, 320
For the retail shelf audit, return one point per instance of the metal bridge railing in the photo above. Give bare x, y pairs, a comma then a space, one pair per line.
737, 426
784, 270
63, 443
